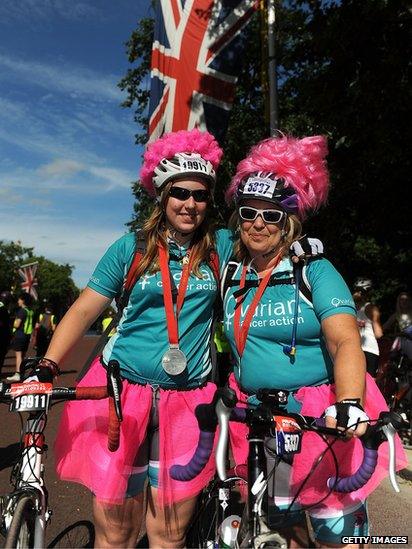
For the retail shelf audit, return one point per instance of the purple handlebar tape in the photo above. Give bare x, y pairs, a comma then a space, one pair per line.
358, 479
198, 461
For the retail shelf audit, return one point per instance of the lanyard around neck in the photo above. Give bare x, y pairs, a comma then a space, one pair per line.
171, 317
241, 331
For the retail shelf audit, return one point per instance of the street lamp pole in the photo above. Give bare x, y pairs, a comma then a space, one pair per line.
272, 69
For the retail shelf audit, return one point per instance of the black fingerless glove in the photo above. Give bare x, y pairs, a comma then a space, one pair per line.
39, 369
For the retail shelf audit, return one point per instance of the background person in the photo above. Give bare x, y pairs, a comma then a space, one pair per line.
369, 323
44, 329
106, 320
160, 391
402, 317
22, 331
282, 339
5, 325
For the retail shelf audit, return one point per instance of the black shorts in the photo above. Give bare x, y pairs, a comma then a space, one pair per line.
20, 343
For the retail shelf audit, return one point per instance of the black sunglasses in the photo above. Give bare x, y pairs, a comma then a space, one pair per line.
199, 195
269, 216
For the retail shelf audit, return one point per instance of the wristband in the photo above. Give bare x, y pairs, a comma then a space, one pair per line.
47, 363
352, 402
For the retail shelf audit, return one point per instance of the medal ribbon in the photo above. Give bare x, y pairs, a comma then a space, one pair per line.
241, 331
171, 317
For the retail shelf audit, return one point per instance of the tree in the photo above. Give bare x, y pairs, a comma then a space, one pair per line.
12, 255
55, 284
342, 70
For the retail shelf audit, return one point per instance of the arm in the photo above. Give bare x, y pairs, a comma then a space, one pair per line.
342, 338
17, 323
75, 323
374, 314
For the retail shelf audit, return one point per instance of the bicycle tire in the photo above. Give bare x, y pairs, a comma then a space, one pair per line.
21, 532
78, 535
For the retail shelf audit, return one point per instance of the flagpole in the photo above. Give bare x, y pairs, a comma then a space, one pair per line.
272, 69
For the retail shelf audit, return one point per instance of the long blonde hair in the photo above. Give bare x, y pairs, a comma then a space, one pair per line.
293, 230
154, 229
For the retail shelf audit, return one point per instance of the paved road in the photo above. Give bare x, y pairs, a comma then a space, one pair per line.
390, 513
70, 502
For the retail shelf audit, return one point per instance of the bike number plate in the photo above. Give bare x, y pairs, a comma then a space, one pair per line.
27, 397
30, 403
288, 436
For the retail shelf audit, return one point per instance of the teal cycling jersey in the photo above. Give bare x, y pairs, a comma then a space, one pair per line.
264, 364
142, 338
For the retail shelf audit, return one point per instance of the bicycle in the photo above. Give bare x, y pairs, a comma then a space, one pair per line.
400, 376
270, 418
25, 513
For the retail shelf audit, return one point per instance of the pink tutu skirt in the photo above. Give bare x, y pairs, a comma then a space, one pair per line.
81, 445
349, 453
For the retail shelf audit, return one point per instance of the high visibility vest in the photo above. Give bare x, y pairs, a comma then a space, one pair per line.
28, 323
221, 342
46, 320
105, 322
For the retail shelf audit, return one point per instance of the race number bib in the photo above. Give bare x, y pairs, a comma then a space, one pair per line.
260, 186
288, 436
193, 163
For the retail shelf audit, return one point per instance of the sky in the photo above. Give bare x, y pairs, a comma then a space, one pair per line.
67, 151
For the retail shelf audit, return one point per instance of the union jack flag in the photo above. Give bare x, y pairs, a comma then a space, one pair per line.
28, 275
196, 56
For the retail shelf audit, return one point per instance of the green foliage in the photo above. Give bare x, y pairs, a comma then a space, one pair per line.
136, 82
342, 72
12, 255
55, 284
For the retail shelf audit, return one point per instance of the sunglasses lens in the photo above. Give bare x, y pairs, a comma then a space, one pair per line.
200, 195
272, 216
179, 193
248, 214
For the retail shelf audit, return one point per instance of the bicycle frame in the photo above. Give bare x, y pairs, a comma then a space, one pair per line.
270, 419
27, 504
30, 479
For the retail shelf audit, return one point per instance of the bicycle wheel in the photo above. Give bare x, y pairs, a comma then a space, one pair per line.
21, 532
203, 525
77, 535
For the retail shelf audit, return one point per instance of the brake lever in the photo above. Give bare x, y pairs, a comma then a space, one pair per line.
114, 386
389, 431
224, 407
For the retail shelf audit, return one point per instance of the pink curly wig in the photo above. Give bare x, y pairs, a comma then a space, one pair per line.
300, 162
183, 141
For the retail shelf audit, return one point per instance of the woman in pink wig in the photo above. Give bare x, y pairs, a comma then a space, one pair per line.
162, 346
302, 338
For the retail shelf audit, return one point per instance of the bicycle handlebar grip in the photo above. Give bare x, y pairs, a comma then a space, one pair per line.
199, 459
91, 393
358, 479
371, 440
207, 421
113, 430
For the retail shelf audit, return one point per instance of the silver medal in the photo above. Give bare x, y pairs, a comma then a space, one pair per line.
174, 361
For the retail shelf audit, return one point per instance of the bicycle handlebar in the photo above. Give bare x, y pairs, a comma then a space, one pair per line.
223, 408
112, 390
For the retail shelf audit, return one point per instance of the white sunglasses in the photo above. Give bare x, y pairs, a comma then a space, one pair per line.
248, 213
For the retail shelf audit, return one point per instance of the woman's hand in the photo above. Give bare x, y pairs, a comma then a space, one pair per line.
305, 248
349, 416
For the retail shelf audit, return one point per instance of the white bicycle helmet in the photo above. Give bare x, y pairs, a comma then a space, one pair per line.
364, 284
183, 165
